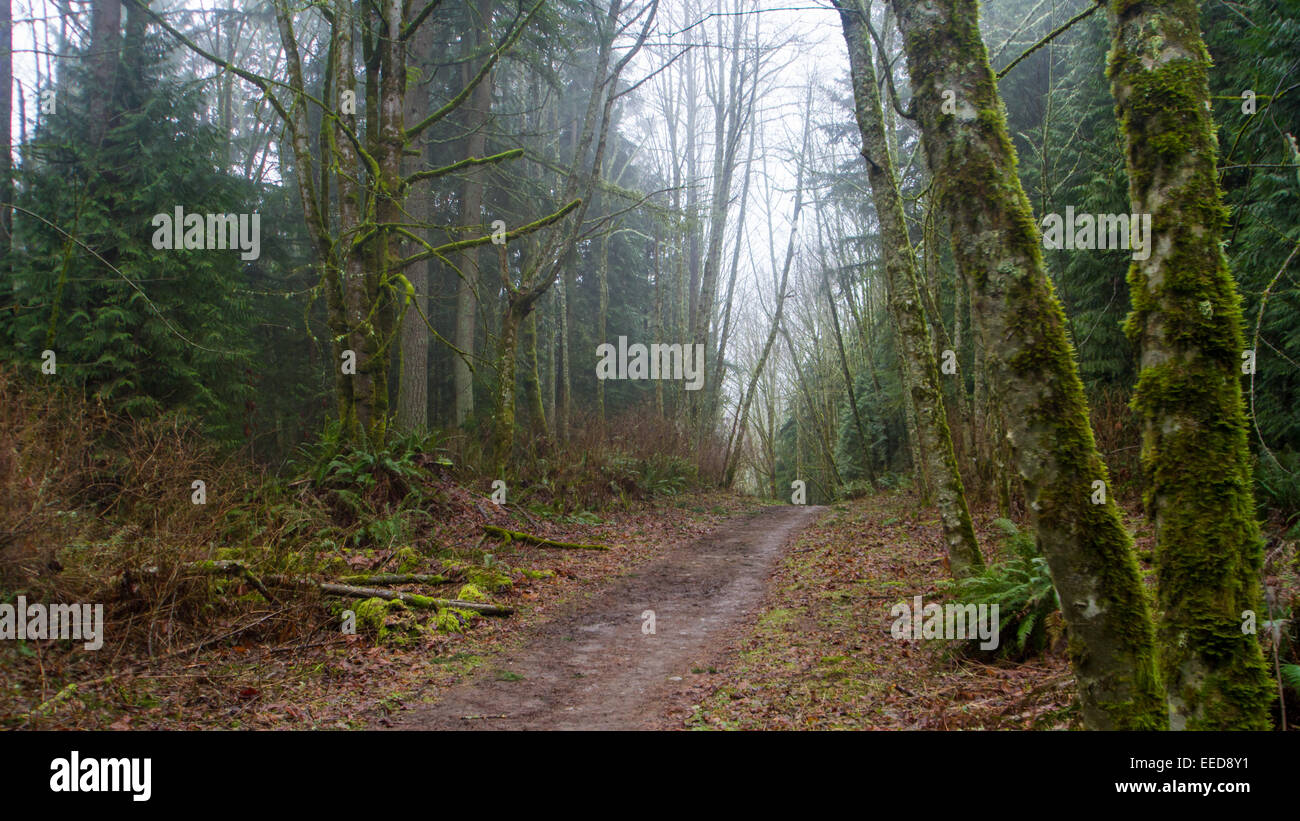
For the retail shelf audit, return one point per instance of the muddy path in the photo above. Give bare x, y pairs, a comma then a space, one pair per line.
595, 665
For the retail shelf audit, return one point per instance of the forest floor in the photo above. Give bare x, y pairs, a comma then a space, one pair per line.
778, 620
819, 654
312, 676
765, 617
610, 662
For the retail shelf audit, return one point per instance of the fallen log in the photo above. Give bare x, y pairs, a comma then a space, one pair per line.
413, 599
229, 567
515, 536
400, 578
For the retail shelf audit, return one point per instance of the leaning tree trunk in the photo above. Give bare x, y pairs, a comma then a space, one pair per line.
964, 557
1031, 365
1187, 322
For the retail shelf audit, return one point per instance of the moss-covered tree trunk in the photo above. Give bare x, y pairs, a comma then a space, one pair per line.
1186, 321
532, 378
503, 418
900, 267
1031, 366
911, 423
356, 416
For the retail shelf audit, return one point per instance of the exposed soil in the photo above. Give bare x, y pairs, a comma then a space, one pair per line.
595, 665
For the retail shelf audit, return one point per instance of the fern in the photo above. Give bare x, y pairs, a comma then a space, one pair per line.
1291, 676
1022, 590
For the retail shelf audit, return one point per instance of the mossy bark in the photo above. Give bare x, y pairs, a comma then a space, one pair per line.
528, 538
503, 420
400, 578
532, 377
1031, 365
910, 421
1186, 320
900, 266
411, 599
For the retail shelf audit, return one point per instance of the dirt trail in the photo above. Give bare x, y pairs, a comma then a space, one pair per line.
592, 668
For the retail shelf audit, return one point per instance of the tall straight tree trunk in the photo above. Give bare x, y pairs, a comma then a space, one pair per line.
692, 225
864, 340
900, 265
658, 317
842, 354
720, 354
564, 379
476, 118
1186, 321
413, 380
771, 434
389, 210
549, 379
1031, 365
848, 381
565, 285
911, 420
680, 301
602, 316
105, 45
6, 148
729, 119
351, 197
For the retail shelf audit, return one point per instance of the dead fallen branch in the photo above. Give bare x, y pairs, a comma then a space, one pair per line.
229, 567
515, 536
413, 599
226, 567
400, 578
